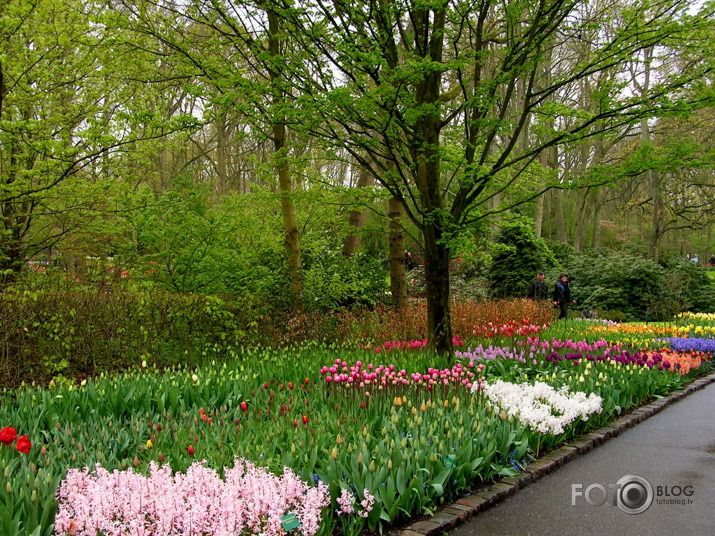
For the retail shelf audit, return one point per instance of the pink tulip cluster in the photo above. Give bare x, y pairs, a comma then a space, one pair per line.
401, 345
249, 500
507, 329
411, 345
386, 376
580, 346
537, 345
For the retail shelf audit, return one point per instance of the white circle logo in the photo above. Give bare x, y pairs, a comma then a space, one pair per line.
634, 494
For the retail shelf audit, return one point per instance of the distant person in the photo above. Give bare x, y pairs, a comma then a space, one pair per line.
538, 290
711, 262
408, 261
562, 296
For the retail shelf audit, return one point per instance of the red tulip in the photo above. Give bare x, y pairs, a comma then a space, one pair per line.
23, 444
190, 450
290, 385
243, 406
295, 422
7, 435
305, 419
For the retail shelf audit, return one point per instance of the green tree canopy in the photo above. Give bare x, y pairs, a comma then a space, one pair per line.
447, 102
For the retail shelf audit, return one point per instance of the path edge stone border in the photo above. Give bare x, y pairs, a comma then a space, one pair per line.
452, 515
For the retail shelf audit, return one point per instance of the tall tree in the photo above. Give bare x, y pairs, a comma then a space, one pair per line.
276, 69
395, 80
68, 110
238, 54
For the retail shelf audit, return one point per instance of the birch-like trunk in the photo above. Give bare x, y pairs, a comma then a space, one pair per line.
280, 154
357, 217
396, 241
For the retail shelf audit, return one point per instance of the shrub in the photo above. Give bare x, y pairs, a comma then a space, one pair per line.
517, 257
82, 333
332, 281
688, 286
637, 287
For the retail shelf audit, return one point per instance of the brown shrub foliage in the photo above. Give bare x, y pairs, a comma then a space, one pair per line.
83, 333
383, 323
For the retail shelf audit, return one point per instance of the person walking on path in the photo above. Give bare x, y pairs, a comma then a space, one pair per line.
538, 290
562, 296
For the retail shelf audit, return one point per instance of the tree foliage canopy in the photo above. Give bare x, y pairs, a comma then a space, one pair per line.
462, 110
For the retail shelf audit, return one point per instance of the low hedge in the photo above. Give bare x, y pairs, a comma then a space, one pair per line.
78, 334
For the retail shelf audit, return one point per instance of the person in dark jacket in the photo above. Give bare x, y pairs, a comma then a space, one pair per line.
538, 290
562, 296
408, 261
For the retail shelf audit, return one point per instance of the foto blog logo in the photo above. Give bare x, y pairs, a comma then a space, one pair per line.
633, 494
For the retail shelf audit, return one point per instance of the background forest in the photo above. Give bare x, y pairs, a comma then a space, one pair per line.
263, 159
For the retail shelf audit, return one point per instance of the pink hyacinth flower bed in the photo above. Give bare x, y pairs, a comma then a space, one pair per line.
248, 500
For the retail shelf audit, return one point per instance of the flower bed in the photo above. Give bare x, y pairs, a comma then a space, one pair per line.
248, 500
385, 440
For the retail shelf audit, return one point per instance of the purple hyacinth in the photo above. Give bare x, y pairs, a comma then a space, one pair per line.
683, 345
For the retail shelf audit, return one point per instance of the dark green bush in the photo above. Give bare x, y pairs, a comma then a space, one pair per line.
637, 287
82, 333
516, 259
332, 281
689, 285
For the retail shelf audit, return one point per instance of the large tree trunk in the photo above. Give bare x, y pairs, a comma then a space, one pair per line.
396, 240
291, 234
290, 226
357, 217
426, 153
545, 202
437, 254
439, 320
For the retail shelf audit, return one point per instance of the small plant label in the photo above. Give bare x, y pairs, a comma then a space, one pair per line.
290, 522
